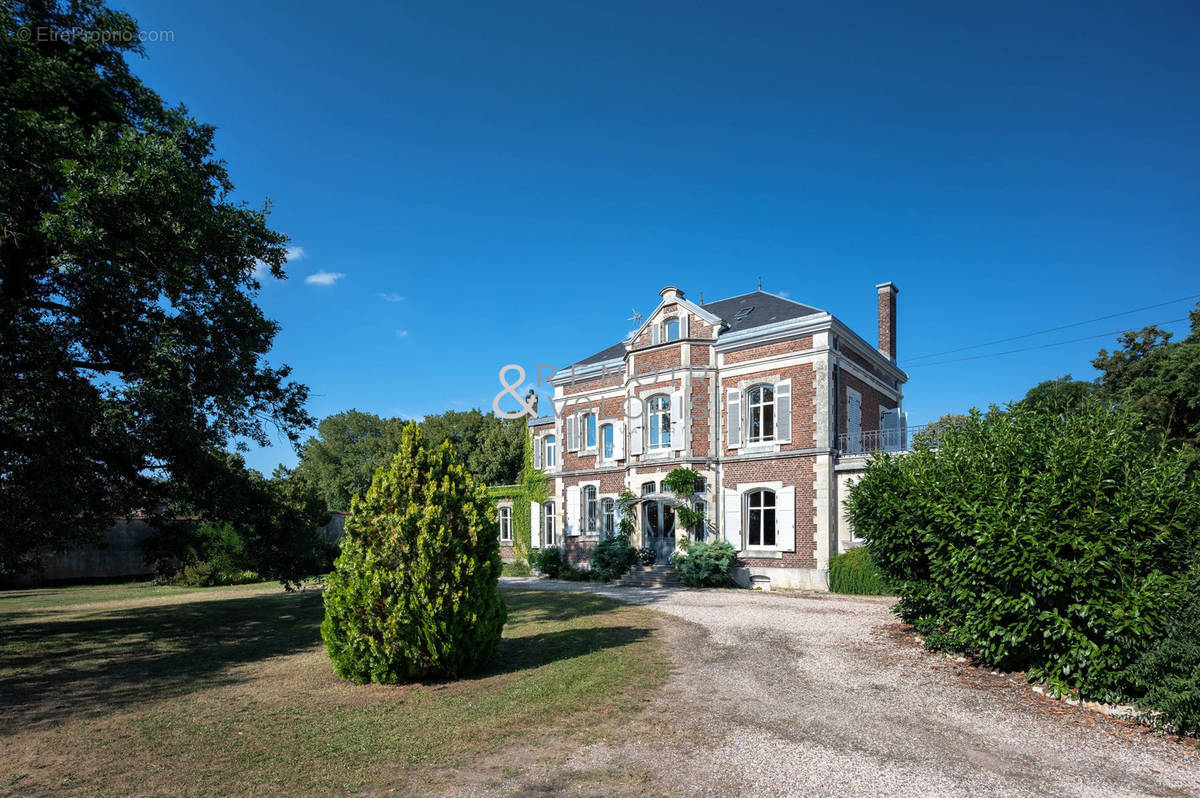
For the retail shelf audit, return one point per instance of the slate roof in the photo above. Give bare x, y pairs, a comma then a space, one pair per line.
764, 309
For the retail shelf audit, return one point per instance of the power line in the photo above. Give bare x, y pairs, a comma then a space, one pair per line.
1039, 346
1052, 329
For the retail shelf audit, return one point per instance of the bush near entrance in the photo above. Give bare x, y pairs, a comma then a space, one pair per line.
706, 564
853, 572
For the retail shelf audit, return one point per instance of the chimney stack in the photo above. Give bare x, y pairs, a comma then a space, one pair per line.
887, 319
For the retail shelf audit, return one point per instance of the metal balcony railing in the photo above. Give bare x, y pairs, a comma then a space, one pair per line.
886, 440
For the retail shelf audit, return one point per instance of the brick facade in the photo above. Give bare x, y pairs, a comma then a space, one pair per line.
803, 348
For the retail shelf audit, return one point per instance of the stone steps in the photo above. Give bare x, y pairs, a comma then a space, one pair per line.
650, 576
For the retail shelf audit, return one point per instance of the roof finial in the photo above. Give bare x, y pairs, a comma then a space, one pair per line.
701, 297
759, 283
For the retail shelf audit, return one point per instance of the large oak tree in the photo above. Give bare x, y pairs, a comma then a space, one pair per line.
131, 347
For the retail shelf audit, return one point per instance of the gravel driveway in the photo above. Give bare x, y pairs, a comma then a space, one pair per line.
820, 696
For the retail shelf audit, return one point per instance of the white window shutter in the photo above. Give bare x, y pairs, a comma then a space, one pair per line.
783, 411
889, 422
537, 453
733, 518
636, 423
572, 433
654, 333
535, 525
854, 421
677, 426
785, 519
683, 325
619, 440
733, 418
572, 510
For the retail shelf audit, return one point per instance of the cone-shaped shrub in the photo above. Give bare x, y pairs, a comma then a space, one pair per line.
414, 593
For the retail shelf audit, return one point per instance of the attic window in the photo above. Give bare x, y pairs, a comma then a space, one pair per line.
743, 313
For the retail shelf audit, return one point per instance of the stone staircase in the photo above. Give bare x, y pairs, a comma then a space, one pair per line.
649, 576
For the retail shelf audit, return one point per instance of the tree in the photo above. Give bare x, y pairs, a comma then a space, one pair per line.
415, 592
1061, 395
130, 342
490, 447
349, 448
1157, 377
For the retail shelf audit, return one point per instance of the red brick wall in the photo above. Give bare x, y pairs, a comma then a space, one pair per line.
791, 471
769, 350
804, 428
872, 399
699, 413
578, 548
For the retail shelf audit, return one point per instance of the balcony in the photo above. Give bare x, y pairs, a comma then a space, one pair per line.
886, 440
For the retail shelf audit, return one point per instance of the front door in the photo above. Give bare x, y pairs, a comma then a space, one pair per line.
658, 529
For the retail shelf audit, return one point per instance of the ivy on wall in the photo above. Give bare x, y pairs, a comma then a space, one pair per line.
533, 487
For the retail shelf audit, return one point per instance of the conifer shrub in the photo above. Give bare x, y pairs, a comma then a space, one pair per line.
1047, 542
706, 564
548, 560
853, 572
414, 593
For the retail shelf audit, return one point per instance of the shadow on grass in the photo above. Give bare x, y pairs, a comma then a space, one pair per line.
93, 663
534, 651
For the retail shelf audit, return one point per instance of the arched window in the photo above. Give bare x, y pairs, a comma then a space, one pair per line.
551, 459
670, 330
505, 514
549, 525
590, 510
660, 421
606, 441
608, 514
760, 405
760, 518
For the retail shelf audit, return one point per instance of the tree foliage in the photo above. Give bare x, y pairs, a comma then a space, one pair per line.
1157, 377
1060, 395
415, 591
130, 341
345, 454
492, 448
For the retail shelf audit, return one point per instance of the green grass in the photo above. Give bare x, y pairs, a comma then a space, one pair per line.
230, 691
72, 595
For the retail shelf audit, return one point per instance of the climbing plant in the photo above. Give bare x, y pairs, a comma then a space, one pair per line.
682, 484
533, 487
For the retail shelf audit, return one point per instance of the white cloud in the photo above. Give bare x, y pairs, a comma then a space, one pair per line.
323, 278
262, 272
401, 333
784, 294
295, 253
391, 297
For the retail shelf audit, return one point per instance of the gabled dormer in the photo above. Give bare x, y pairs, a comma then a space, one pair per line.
674, 319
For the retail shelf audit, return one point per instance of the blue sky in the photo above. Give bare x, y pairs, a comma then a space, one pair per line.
503, 183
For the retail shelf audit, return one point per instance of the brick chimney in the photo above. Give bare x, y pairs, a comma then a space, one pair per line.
887, 319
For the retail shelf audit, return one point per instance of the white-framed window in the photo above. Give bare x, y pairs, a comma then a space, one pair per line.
760, 414
700, 506
670, 330
760, 519
549, 530
505, 514
606, 441
659, 409
608, 517
550, 460
589, 431
591, 510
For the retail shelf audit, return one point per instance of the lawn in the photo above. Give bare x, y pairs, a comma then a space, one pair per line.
229, 690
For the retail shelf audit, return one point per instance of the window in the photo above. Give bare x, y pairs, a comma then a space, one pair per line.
551, 458
660, 421
590, 510
608, 512
506, 524
648, 488
701, 506
760, 518
548, 538
606, 441
589, 431
670, 330
760, 404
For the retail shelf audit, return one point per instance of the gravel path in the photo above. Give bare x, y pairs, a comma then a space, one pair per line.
819, 696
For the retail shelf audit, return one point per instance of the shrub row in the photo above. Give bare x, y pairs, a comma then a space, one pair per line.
1058, 544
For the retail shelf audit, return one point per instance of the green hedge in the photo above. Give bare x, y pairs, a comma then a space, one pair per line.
855, 573
706, 564
1056, 544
